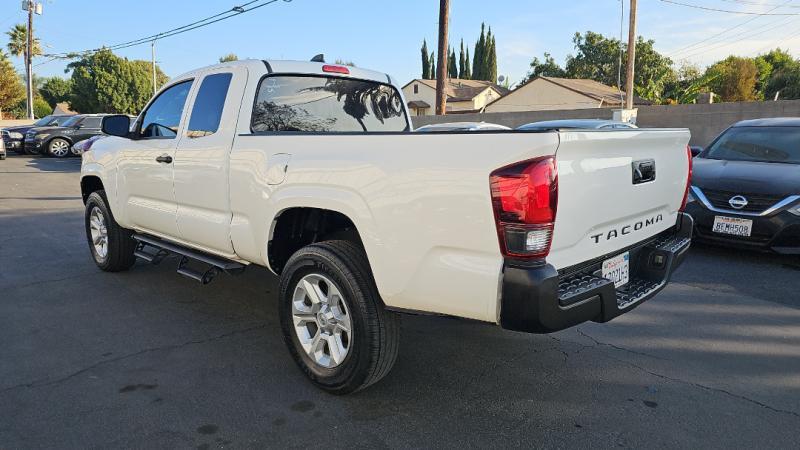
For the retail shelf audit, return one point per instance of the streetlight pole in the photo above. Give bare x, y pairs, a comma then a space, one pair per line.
28, 60
629, 73
441, 70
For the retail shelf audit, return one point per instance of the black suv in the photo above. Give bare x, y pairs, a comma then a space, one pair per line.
14, 137
57, 141
746, 187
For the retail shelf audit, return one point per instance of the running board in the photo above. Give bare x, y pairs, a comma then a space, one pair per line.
162, 249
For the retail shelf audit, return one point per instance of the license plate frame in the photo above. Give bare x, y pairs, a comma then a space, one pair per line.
732, 226
617, 269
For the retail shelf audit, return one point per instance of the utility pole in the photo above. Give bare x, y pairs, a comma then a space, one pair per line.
28, 60
153, 56
441, 70
629, 74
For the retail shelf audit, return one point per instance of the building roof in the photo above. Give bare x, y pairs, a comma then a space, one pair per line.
418, 104
598, 91
460, 90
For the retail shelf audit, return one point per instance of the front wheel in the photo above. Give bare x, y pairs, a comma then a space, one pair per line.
111, 245
333, 320
58, 148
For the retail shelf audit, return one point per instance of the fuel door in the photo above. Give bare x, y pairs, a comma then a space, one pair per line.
277, 167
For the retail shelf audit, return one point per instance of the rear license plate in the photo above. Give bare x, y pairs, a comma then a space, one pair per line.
733, 226
617, 269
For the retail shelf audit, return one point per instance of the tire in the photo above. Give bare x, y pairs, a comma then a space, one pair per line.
59, 148
119, 245
374, 337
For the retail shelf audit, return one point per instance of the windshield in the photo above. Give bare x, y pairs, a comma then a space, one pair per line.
43, 121
758, 144
72, 121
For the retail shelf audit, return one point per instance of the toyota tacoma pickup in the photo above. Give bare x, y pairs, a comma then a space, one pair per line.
313, 171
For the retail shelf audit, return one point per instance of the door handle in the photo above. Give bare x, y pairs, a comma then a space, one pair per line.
165, 159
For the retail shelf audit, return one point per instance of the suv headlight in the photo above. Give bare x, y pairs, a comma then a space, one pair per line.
15, 135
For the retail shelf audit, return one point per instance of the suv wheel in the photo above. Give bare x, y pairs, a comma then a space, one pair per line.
333, 319
59, 148
111, 245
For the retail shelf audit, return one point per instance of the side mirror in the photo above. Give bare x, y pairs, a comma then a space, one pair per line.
696, 150
117, 125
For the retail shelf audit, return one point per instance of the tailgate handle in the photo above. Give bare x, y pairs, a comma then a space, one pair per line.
644, 171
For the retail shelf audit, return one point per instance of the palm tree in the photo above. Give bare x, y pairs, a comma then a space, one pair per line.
18, 39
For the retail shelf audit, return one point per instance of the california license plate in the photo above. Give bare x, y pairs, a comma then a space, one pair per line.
733, 226
617, 269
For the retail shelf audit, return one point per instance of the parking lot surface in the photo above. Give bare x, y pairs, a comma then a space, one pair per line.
149, 359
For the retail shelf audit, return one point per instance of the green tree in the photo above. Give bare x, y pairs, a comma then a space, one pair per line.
544, 68
784, 75
467, 69
433, 64
104, 82
18, 41
41, 108
11, 88
452, 65
478, 56
56, 90
734, 79
426, 63
490, 59
462, 67
228, 58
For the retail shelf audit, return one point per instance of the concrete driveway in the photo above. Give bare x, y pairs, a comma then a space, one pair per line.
148, 359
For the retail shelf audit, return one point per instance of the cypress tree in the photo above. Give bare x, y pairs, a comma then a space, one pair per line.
491, 58
452, 66
461, 61
478, 57
467, 70
432, 65
426, 63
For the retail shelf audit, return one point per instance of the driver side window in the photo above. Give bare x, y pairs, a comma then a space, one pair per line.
162, 118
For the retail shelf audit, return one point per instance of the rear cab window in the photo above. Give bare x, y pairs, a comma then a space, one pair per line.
209, 104
320, 104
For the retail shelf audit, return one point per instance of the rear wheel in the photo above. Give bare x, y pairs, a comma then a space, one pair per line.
58, 148
111, 245
333, 321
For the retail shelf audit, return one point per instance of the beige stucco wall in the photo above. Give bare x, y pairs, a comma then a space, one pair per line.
426, 94
541, 95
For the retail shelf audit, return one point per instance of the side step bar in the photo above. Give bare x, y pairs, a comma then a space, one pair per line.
161, 249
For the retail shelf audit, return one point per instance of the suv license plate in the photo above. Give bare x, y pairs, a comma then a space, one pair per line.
733, 226
617, 269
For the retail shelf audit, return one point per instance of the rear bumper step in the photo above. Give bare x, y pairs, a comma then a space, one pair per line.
541, 299
154, 250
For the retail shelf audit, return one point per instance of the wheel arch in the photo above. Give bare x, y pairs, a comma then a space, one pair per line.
89, 184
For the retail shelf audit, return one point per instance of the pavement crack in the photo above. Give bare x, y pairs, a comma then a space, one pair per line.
599, 343
45, 382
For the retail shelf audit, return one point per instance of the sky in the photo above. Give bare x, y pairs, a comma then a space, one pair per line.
387, 35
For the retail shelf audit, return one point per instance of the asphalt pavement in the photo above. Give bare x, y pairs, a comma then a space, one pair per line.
149, 359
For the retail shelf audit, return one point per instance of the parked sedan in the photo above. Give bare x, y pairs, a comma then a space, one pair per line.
582, 124
14, 137
746, 187
460, 126
58, 141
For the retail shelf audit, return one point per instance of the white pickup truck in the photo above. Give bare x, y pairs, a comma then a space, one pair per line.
313, 171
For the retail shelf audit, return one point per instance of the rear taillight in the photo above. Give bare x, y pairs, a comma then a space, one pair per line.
525, 199
336, 69
688, 179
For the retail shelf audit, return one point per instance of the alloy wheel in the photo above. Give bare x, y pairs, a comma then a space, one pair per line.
322, 320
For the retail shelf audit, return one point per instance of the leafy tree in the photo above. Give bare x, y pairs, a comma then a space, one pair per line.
104, 82
426, 63
478, 65
11, 89
18, 41
546, 68
452, 66
56, 90
734, 79
343, 62
784, 75
228, 58
41, 108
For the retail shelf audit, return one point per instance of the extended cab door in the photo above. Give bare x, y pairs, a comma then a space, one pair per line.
202, 160
145, 166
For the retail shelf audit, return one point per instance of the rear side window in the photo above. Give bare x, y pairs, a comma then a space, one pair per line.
162, 118
207, 109
92, 122
326, 104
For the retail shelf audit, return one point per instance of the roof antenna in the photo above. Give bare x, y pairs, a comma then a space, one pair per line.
319, 58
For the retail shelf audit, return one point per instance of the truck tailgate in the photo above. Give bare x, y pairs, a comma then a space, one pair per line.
602, 208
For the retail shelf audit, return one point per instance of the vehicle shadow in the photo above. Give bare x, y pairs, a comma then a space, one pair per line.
46, 164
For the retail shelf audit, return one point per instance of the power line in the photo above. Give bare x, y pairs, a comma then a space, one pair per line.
706, 8
234, 11
755, 3
744, 35
724, 31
